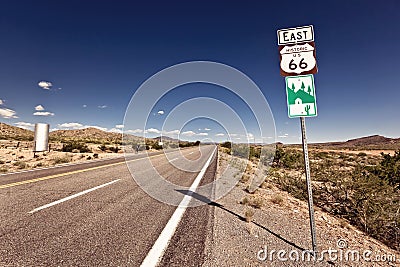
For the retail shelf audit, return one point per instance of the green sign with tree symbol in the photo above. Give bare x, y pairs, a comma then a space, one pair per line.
300, 91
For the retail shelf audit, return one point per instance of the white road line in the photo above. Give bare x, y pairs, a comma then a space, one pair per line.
191, 153
173, 159
62, 165
157, 251
77, 163
72, 196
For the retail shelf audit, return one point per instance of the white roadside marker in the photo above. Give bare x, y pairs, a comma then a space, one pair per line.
157, 251
173, 159
72, 196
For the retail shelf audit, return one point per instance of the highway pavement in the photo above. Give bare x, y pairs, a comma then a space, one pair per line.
95, 214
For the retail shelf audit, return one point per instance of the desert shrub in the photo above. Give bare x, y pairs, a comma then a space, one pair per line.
368, 197
95, 155
248, 215
240, 150
388, 169
277, 199
245, 178
255, 152
226, 144
189, 144
60, 160
20, 164
3, 169
321, 155
253, 201
103, 147
114, 149
2, 161
362, 154
288, 158
156, 146
70, 146
292, 184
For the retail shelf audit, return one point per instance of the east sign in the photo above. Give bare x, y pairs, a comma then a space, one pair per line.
297, 51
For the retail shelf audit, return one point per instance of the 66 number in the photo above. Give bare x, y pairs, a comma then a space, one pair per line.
302, 64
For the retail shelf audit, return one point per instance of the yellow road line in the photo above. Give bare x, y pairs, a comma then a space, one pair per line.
69, 173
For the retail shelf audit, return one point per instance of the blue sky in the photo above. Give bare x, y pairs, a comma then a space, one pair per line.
97, 53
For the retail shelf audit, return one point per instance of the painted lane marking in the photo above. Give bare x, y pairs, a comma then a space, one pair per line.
73, 172
72, 196
62, 165
157, 251
173, 159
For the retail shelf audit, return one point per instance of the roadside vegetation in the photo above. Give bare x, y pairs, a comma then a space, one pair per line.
359, 188
362, 189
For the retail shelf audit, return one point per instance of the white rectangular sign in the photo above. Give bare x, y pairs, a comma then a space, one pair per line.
296, 35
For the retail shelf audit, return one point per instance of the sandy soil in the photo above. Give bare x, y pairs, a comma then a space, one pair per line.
17, 157
282, 223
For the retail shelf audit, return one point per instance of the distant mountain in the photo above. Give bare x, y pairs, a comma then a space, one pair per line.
166, 138
367, 142
93, 135
371, 140
9, 132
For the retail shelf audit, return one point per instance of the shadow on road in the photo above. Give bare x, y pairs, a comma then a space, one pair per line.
215, 204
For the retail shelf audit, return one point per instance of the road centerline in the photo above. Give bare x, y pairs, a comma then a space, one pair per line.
157, 251
75, 172
72, 196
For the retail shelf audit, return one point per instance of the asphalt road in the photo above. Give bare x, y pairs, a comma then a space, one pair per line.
95, 214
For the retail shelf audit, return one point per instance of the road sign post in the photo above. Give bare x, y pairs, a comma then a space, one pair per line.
309, 186
297, 57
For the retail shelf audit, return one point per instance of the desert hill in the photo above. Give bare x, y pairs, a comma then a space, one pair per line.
9, 132
367, 142
92, 135
89, 135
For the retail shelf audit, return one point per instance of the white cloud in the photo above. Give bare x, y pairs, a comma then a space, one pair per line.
70, 125
115, 130
1, 102
43, 113
284, 136
39, 108
152, 130
103, 106
8, 113
202, 134
45, 85
136, 131
119, 126
207, 129
220, 134
77, 125
84, 106
233, 135
25, 125
188, 133
173, 132
160, 112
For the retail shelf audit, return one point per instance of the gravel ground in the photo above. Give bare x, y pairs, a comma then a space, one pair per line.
282, 224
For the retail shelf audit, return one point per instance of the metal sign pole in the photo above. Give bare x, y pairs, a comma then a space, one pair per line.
309, 187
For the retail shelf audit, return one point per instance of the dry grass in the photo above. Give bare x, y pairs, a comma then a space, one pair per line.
277, 199
255, 201
248, 215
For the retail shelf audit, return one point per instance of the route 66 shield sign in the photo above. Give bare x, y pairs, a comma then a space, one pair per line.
298, 59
